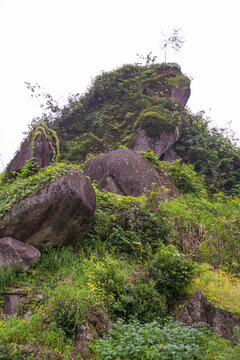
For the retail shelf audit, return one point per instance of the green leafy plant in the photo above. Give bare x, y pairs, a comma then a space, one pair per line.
172, 272
170, 341
69, 306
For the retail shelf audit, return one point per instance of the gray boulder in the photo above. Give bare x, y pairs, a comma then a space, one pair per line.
199, 310
125, 172
60, 213
15, 252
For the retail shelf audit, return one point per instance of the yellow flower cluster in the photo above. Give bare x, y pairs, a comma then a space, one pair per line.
2, 321
95, 286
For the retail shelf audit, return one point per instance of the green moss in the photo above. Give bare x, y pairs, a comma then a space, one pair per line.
40, 128
157, 119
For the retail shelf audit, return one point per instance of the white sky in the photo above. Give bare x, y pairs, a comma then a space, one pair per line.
63, 44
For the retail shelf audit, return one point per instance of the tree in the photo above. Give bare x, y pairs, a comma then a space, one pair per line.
171, 40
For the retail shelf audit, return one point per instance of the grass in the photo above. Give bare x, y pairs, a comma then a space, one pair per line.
221, 288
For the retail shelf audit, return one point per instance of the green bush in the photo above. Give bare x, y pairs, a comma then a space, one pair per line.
186, 179
69, 306
214, 153
146, 302
126, 292
171, 341
172, 273
19, 339
128, 225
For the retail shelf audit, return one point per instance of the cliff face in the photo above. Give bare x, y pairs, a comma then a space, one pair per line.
135, 106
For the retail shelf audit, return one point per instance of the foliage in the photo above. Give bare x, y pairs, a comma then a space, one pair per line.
221, 288
172, 273
14, 191
214, 153
109, 113
128, 224
126, 292
9, 353
186, 179
168, 341
221, 243
16, 333
69, 306
182, 175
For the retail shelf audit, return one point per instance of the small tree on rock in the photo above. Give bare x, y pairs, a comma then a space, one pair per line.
171, 40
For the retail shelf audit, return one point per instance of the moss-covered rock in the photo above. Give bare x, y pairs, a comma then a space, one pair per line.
118, 105
41, 147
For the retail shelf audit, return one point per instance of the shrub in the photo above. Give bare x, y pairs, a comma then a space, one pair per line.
146, 303
186, 179
172, 273
127, 293
214, 154
69, 305
127, 225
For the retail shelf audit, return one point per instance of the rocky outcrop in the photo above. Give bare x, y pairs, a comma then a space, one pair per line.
126, 173
199, 310
40, 145
160, 144
15, 252
171, 155
170, 82
181, 92
174, 85
12, 301
60, 213
86, 334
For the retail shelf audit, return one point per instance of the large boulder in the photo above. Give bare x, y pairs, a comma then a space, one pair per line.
59, 213
199, 310
41, 145
125, 172
13, 252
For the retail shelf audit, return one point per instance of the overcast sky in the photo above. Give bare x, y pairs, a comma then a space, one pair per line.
63, 44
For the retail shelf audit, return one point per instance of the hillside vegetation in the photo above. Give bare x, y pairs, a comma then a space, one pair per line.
143, 257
